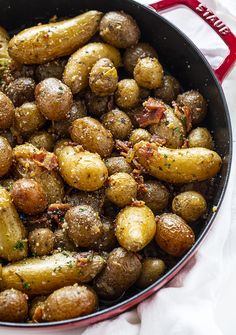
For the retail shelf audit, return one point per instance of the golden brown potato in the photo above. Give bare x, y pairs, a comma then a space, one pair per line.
135, 227
62, 241
9, 136
82, 169
43, 275
173, 235
127, 93
148, 73
177, 165
69, 302
91, 134
121, 189
42, 140
6, 111
5, 59
21, 90
29, 196
118, 123
96, 106
60, 144
169, 90
190, 205
135, 52
139, 135
84, 225
28, 118
53, 69
41, 241
122, 270
13, 306
13, 243
155, 195
6, 156
94, 199
119, 29
76, 74
107, 241
43, 43
117, 164
54, 99
52, 185
200, 137
103, 77
152, 269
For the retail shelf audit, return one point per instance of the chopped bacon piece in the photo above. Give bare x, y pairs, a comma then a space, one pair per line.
56, 212
123, 145
184, 114
152, 113
186, 144
158, 140
188, 115
45, 159
138, 203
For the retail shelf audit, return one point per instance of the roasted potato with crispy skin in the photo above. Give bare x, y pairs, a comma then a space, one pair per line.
152, 269
5, 59
200, 137
21, 90
41, 241
96, 106
169, 90
122, 270
107, 241
119, 29
43, 43
13, 306
42, 140
155, 195
6, 111
127, 94
94, 199
62, 241
117, 164
135, 227
6, 156
173, 235
28, 118
118, 123
52, 185
53, 69
148, 73
139, 135
35, 311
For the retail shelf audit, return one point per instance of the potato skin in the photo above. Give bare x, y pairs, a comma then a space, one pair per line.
200, 137
94, 199
127, 93
103, 77
118, 123
96, 106
84, 225
135, 52
6, 112
119, 29
76, 74
6, 156
21, 90
53, 69
54, 99
117, 164
52, 185
82, 169
5, 59
36, 273
28, 118
173, 235
91, 134
13, 306
139, 135
122, 270
152, 269
13, 245
29, 196
155, 196
148, 73
178, 165
42, 140
169, 90
41, 241
121, 189
107, 241
190, 205
62, 241
43, 43
135, 227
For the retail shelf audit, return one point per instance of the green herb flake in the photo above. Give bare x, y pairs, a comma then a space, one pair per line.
19, 245
177, 130
26, 286
65, 253
165, 156
70, 264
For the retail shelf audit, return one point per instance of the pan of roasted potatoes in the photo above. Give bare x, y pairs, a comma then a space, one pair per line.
116, 149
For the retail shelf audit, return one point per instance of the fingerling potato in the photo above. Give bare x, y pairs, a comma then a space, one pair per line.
4, 55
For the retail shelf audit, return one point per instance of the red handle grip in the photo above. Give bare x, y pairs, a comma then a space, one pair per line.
215, 23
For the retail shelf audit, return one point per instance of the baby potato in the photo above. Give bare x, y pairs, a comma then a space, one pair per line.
139, 135
119, 29
148, 73
54, 99
96, 106
107, 241
60, 144
177, 165
52, 185
8, 183
62, 241
103, 77
6, 112
135, 227
196, 102
169, 90
41, 241
135, 52
6, 156
173, 235
76, 74
35, 311
13, 306
155, 195
21, 90
84, 225
42, 140
94, 199
76, 301
28, 118
53, 69
91, 134
190, 205
152, 269
127, 93
9, 136
118, 123
29, 196
122, 189
5, 59
82, 169
117, 164
200, 137
46, 42
122, 270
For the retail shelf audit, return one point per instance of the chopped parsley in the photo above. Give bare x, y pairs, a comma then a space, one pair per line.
19, 245
26, 285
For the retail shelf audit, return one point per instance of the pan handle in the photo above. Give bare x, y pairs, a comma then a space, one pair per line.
214, 22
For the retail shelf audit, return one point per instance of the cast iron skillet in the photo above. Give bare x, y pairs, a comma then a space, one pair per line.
181, 58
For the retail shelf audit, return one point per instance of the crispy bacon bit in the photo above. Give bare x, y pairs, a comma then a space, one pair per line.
45, 159
184, 114
137, 203
187, 113
123, 146
152, 113
84, 258
56, 212
186, 144
158, 140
